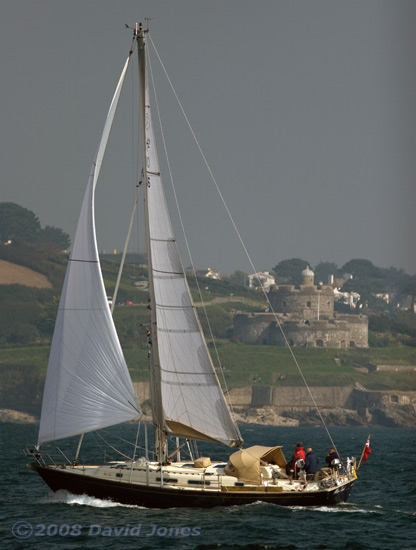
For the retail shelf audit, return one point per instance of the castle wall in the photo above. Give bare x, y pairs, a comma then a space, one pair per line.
344, 331
290, 397
253, 328
298, 396
356, 330
142, 390
326, 334
306, 315
306, 302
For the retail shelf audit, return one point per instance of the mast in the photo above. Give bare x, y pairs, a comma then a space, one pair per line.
145, 121
187, 400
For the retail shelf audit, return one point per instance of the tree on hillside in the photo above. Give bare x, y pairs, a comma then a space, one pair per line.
410, 287
324, 270
362, 269
239, 278
367, 289
46, 320
56, 236
398, 281
368, 280
290, 271
19, 222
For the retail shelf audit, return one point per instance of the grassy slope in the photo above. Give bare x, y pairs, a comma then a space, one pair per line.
242, 363
19, 275
275, 365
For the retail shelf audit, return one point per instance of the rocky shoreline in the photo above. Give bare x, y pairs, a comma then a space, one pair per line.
17, 417
273, 405
398, 416
390, 417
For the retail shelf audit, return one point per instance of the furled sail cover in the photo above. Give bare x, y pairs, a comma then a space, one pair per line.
245, 464
88, 385
192, 402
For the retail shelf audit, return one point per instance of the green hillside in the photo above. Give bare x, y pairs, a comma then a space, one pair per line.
28, 315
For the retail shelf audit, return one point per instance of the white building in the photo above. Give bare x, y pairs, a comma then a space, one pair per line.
264, 277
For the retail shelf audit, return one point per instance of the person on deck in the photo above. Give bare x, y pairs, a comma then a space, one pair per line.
299, 454
332, 455
311, 461
299, 451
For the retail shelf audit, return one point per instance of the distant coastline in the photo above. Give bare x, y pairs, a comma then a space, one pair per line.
291, 406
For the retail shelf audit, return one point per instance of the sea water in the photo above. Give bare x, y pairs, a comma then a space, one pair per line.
379, 515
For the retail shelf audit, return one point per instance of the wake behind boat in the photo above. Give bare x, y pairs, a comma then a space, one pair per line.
88, 386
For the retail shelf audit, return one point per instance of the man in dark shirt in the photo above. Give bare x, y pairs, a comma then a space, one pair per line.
332, 455
311, 461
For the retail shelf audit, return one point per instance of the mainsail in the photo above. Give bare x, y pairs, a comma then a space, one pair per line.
88, 385
187, 397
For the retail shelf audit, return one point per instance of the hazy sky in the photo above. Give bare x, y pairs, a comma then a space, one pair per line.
305, 110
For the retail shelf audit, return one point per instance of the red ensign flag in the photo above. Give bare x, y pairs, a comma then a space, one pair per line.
367, 450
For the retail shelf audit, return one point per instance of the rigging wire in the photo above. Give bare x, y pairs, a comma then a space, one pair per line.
96, 435
287, 344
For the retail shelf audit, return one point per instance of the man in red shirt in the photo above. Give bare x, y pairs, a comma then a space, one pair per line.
299, 454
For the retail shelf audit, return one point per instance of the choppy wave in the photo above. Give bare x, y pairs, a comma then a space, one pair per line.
65, 497
380, 514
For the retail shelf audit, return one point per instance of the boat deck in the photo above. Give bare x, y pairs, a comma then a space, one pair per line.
184, 475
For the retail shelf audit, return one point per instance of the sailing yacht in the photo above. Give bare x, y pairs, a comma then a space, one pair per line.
88, 386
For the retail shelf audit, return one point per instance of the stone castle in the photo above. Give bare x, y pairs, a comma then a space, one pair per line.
307, 317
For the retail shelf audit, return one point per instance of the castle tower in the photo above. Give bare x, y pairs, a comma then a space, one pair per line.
305, 302
307, 315
308, 276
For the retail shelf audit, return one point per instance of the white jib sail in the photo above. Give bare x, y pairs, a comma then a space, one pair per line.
192, 402
88, 385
